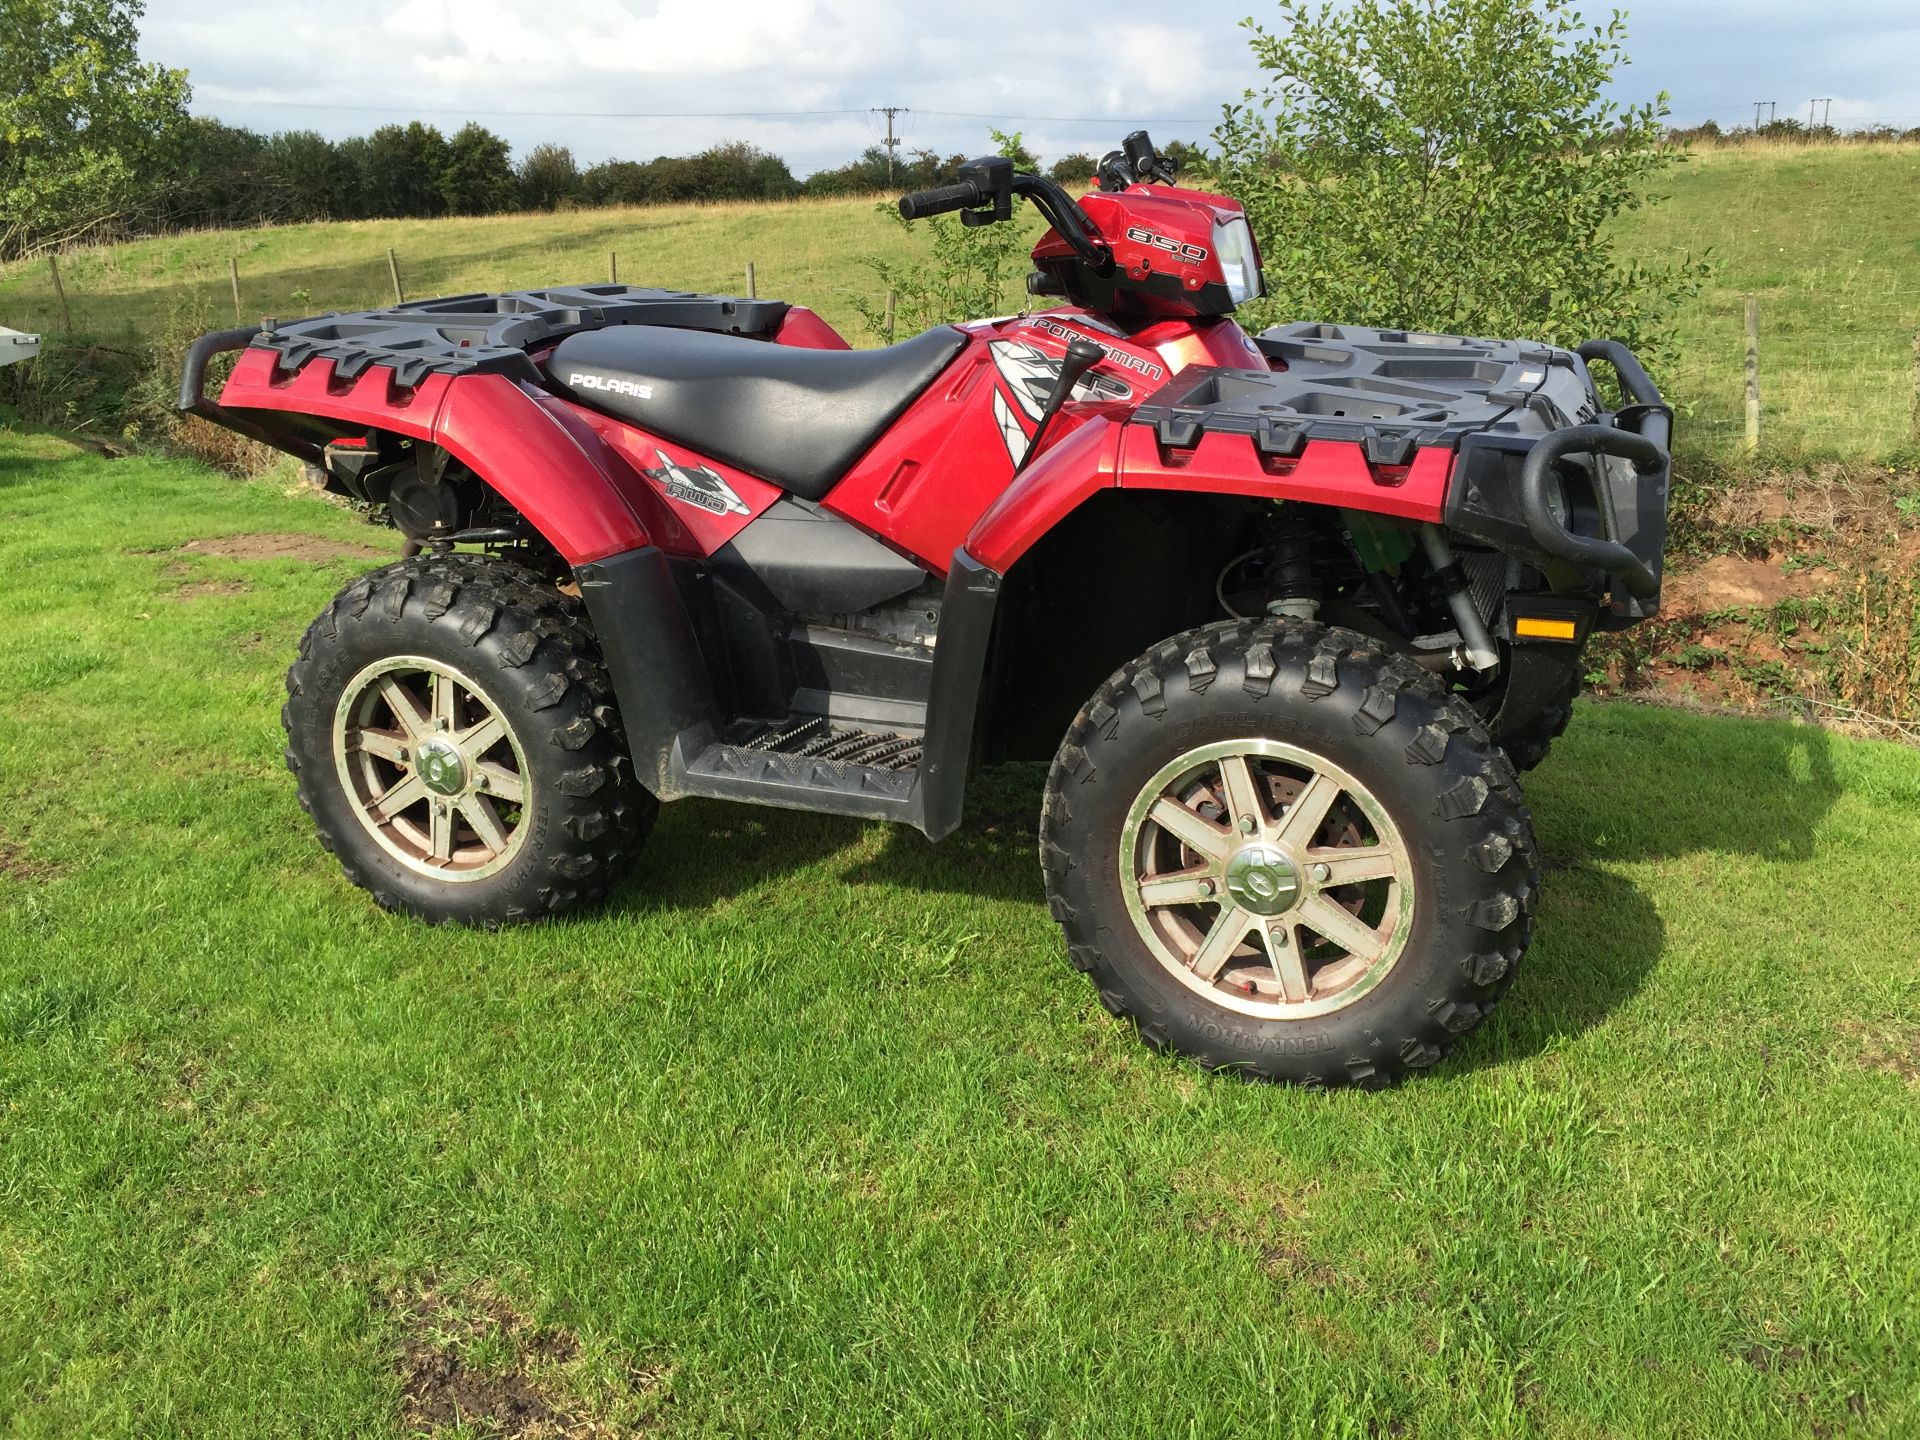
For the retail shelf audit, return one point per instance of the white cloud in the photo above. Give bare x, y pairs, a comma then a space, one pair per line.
350, 65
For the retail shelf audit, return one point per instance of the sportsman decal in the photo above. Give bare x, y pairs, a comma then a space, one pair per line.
696, 485
1029, 373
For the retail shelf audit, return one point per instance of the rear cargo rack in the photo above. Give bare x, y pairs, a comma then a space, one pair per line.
474, 334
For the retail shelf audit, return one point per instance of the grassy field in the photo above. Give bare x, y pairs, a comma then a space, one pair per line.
814, 1131
1824, 236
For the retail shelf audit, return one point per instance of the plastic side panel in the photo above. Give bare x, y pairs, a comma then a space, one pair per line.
487, 422
1328, 472
938, 467
1049, 489
698, 504
807, 330
1181, 343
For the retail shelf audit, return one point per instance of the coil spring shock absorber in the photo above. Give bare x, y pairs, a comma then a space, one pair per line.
1290, 577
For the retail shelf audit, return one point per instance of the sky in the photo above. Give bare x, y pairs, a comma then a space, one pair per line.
637, 78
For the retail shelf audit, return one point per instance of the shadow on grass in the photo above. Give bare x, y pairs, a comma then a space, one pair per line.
1652, 785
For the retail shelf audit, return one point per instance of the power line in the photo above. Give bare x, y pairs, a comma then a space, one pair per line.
403, 109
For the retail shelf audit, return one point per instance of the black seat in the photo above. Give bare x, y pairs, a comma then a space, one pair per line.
797, 417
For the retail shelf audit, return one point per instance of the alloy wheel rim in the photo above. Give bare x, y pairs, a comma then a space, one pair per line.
431, 768
1267, 879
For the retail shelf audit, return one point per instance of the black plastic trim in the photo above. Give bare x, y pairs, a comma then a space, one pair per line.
1636, 574
659, 675
960, 661
812, 562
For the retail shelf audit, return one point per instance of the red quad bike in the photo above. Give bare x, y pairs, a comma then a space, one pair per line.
1288, 612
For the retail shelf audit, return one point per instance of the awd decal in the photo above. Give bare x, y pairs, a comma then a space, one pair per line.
608, 383
1029, 374
1179, 249
696, 485
1136, 363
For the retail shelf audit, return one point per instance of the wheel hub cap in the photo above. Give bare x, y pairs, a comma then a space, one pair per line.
1263, 880
443, 769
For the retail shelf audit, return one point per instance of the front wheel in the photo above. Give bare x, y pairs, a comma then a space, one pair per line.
1285, 852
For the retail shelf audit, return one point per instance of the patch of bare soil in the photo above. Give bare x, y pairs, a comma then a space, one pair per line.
1889, 1048
211, 589
17, 864
310, 548
471, 1363
1809, 606
1728, 581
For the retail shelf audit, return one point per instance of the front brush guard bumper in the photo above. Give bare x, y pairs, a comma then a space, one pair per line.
1502, 491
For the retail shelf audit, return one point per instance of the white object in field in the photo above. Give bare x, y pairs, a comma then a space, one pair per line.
15, 345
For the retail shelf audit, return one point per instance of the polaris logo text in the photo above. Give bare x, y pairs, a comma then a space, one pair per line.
606, 382
1179, 249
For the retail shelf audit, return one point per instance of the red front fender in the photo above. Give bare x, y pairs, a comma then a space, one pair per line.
1103, 452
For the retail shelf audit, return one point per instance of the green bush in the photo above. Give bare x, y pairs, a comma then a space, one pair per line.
1452, 166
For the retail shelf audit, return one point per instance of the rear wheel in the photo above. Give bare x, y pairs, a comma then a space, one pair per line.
455, 741
1285, 852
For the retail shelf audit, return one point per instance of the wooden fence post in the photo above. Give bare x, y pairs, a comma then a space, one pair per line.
1753, 373
889, 317
66, 316
233, 273
753, 286
1916, 387
393, 270
613, 267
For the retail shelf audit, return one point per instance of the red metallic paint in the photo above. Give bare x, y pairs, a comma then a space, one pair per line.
808, 331
487, 422
1181, 224
942, 474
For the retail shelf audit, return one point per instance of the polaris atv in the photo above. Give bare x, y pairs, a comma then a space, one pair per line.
1288, 612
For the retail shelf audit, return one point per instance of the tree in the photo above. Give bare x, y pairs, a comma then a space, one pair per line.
548, 178
82, 118
478, 178
314, 177
404, 164
1449, 165
1075, 172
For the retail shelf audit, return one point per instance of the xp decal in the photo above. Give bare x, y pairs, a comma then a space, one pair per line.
696, 485
1030, 373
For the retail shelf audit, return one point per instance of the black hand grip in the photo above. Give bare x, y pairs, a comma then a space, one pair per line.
939, 200
1633, 375
193, 379
1555, 538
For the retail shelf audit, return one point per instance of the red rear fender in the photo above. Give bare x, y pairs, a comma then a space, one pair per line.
568, 484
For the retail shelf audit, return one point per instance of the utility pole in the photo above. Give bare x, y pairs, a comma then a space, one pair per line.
1756, 113
1773, 111
890, 111
1826, 113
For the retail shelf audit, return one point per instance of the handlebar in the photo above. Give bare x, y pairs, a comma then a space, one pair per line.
939, 200
985, 197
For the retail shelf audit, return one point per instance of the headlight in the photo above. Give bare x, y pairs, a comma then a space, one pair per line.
1239, 261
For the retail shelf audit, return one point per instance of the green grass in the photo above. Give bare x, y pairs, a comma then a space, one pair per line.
814, 1131
808, 252
1823, 235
